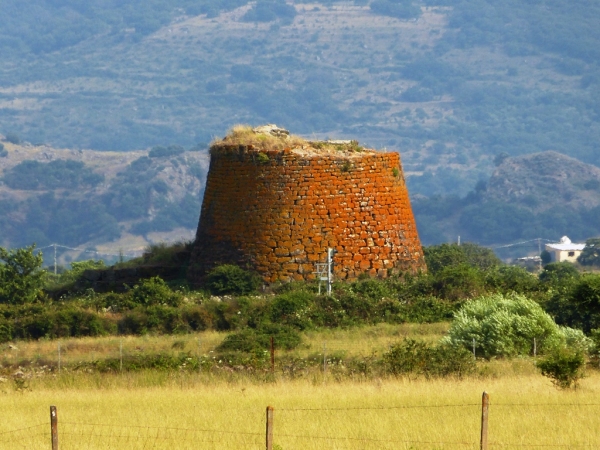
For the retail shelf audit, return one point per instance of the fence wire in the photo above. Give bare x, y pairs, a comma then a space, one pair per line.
297, 428
28, 437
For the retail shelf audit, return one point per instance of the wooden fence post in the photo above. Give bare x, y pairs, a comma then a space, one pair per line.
272, 356
54, 427
485, 404
269, 428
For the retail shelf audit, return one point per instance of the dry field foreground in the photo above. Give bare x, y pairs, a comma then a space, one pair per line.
191, 411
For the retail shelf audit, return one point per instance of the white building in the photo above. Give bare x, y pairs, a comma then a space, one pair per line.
564, 250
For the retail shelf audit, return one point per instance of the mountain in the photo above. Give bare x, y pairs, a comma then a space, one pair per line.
543, 181
449, 84
98, 204
544, 195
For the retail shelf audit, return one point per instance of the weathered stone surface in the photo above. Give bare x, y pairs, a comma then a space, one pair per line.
279, 215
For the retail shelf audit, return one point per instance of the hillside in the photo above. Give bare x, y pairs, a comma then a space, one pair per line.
544, 195
543, 181
448, 84
105, 202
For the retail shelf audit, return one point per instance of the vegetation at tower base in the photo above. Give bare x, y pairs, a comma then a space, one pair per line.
502, 307
275, 203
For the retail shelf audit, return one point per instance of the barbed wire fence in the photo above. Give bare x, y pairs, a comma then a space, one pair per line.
303, 427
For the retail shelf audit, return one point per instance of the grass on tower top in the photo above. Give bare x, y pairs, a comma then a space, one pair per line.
264, 141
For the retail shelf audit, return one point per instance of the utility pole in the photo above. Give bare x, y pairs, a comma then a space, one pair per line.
54, 245
540, 251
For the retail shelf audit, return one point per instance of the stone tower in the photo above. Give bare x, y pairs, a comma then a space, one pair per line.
275, 203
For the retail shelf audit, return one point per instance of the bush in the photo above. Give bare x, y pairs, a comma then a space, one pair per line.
563, 366
441, 256
292, 309
229, 279
417, 358
253, 340
154, 291
165, 152
506, 326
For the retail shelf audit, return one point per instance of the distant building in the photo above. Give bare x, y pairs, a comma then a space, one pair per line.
564, 250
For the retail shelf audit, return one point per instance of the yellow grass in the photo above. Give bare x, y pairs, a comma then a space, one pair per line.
354, 341
194, 411
222, 410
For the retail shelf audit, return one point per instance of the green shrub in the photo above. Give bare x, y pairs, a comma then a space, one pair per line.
428, 310
418, 358
459, 282
507, 279
252, 340
292, 309
229, 279
564, 366
506, 326
440, 256
559, 273
154, 291
153, 319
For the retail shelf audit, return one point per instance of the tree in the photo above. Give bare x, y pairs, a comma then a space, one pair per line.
590, 256
438, 257
506, 326
21, 277
559, 272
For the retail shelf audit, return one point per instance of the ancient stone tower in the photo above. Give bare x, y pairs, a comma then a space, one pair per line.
275, 203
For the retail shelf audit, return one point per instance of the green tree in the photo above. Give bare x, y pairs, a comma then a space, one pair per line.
559, 273
440, 256
21, 277
590, 256
506, 326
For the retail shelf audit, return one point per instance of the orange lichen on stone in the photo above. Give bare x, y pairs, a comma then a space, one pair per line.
278, 213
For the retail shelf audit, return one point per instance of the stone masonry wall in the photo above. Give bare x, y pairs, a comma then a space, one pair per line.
278, 212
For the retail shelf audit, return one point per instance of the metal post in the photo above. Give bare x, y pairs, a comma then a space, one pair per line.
485, 404
269, 439
329, 274
54, 427
272, 355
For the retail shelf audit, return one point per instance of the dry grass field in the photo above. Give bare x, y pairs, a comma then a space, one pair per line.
190, 410
152, 410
